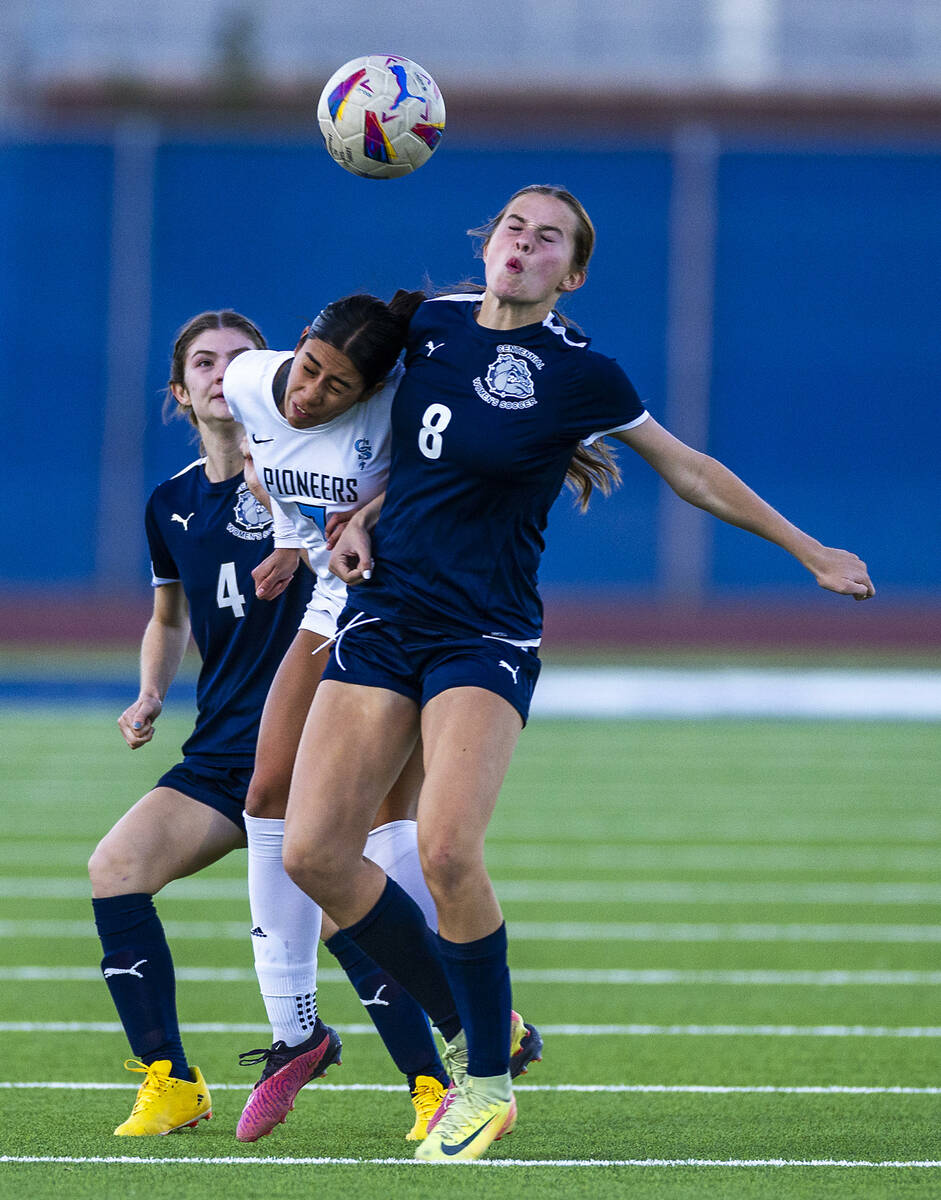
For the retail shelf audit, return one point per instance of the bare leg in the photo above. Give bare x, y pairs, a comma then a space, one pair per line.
469, 736
165, 836
336, 793
282, 722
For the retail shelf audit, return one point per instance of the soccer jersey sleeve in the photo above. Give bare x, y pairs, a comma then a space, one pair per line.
285, 534
607, 403
163, 568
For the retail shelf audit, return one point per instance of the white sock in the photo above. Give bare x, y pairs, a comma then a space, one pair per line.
394, 847
285, 932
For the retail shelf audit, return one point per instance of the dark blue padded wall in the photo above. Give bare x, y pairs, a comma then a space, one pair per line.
827, 360
826, 356
55, 207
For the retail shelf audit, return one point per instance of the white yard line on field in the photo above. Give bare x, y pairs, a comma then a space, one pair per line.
229, 1161
581, 977
557, 891
703, 1089
546, 931
812, 1031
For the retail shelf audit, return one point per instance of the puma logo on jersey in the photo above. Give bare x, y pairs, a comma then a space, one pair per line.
432, 347
376, 1000
184, 521
109, 971
514, 671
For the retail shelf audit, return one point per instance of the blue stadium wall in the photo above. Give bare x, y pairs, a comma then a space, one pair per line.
826, 358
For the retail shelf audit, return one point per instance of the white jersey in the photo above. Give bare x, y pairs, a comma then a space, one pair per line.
311, 473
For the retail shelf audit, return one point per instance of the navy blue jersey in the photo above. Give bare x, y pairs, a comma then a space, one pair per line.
484, 427
209, 537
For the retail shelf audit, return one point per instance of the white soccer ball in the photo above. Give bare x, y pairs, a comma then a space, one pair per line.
381, 116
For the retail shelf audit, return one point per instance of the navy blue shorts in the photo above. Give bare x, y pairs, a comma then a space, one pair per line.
211, 782
420, 663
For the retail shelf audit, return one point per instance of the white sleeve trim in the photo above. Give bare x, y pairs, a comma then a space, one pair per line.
617, 429
157, 581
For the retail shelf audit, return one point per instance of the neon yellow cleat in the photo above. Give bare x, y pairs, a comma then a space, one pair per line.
480, 1114
165, 1104
525, 1048
427, 1094
525, 1045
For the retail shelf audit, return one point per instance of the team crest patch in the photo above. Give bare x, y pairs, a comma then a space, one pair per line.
364, 451
509, 380
252, 520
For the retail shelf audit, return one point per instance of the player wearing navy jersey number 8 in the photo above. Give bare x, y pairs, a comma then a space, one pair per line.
500, 403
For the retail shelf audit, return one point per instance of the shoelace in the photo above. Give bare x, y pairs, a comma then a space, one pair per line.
265, 1054
465, 1112
455, 1063
426, 1099
152, 1087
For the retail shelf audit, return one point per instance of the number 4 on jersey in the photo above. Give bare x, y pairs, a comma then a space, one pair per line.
227, 590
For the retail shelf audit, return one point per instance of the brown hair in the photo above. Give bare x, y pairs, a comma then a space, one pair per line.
584, 229
591, 466
226, 318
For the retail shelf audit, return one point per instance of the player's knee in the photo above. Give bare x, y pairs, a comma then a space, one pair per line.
313, 872
446, 865
111, 871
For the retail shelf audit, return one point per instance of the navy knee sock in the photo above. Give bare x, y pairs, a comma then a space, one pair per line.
480, 981
401, 1023
139, 973
395, 935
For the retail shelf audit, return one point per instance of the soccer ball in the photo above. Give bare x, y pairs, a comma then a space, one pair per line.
381, 116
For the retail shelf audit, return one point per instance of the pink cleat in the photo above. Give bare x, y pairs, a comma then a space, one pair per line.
287, 1069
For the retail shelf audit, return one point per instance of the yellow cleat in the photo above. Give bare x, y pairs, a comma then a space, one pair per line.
525, 1045
427, 1094
479, 1115
165, 1104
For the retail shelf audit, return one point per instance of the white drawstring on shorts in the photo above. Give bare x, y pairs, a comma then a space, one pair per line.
354, 623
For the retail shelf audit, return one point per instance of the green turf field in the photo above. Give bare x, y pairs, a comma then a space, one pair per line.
729, 933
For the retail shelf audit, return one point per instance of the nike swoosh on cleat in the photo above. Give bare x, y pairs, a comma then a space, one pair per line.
452, 1150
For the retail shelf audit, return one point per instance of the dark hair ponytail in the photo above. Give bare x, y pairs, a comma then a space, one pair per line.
369, 332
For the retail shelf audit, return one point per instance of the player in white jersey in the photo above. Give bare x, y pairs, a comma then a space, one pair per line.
311, 472
317, 425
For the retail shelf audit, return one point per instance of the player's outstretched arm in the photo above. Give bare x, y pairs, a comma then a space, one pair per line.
351, 559
162, 649
705, 482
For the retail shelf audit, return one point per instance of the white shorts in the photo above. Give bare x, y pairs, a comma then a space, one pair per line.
320, 616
